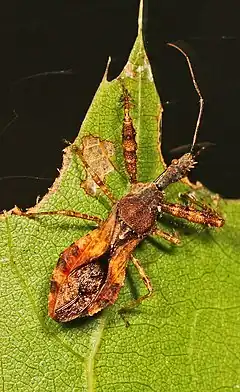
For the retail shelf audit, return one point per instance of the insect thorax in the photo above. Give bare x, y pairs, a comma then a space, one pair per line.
138, 209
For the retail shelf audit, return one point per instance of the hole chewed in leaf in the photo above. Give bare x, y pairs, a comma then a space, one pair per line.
97, 153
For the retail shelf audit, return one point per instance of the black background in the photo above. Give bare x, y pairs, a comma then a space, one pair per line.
77, 37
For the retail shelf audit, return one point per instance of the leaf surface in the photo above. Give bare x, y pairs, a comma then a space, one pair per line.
186, 337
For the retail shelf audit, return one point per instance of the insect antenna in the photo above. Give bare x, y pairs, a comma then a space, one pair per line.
37, 75
179, 168
195, 84
26, 177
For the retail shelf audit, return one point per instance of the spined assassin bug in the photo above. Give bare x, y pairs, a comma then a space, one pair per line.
90, 273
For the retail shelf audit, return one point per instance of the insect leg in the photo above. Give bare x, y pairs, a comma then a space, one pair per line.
74, 214
129, 143
94, 175
137, 301
144, 277
167, 236
206, 216
192, 201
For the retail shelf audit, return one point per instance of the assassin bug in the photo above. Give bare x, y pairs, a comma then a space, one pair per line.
90, 273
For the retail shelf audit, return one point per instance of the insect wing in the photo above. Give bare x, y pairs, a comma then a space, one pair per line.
115, 277
79, 290
79, 273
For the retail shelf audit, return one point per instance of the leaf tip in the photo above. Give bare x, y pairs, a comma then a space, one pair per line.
107, 68
140, 17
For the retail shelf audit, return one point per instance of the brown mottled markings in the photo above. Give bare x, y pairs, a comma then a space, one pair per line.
129, 144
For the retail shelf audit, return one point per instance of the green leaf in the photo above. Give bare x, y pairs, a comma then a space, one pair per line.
186, 337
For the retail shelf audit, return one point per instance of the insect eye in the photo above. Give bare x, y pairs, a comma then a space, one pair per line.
174, 162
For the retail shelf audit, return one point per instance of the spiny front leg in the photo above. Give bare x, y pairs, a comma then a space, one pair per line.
206, 216
191, 200
129, 143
